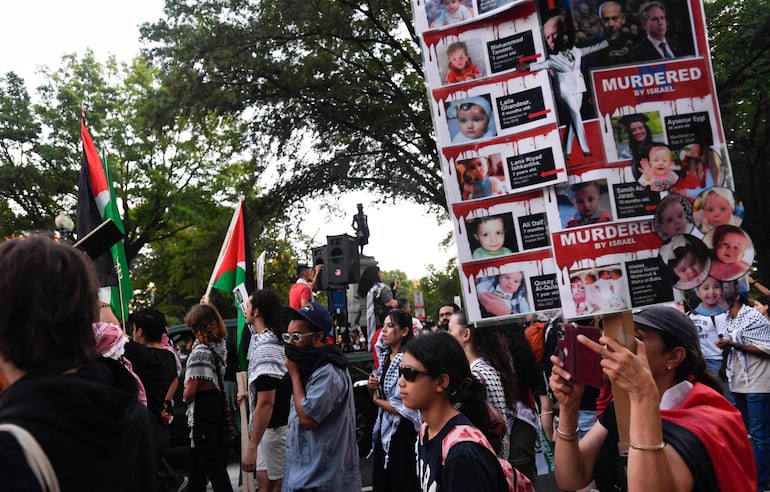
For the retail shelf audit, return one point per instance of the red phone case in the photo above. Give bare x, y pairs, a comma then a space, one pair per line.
580, 361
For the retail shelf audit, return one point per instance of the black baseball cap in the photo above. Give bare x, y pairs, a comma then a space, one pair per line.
317, 315
673, 322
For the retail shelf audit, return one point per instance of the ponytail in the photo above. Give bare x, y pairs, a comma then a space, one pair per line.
440, 353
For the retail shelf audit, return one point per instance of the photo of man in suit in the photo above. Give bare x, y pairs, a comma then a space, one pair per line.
657, 45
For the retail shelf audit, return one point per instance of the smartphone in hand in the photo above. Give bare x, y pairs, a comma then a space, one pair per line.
580, 361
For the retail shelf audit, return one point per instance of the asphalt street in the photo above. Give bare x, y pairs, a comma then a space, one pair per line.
176, 458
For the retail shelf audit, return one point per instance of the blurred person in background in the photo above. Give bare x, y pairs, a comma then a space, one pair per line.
81, 409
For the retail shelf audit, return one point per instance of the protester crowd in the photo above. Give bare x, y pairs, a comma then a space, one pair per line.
459, 406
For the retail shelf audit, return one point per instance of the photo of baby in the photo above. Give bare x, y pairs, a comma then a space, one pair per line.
481, 177
657, 170
673, 216
687, 260
715, 207
456, 63
502, 295
598, 291
584, 203
491, 236
442, 13
471, 119
579, 294
732, 252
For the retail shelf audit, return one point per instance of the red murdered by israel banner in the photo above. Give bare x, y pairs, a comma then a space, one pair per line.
582, 151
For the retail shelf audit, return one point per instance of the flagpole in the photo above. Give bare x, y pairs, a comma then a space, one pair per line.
117, 267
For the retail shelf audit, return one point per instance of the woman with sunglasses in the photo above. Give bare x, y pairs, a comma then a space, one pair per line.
435, 379
395, 429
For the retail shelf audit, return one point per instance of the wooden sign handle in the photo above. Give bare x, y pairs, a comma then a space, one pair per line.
247, 482
620, 327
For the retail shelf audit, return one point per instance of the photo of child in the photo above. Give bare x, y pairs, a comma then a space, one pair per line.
585, 204
481, 177
449, 12
715, 207
605, 283
698, 170
616, 299
709, 293
732, 251
595, 292
470, 119
594, 300
687, 260
578, 294
460, 66
657, 170
502, 294
673, 216
492, 236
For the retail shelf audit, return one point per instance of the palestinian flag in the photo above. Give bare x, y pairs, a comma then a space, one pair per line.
235, 267
97, 203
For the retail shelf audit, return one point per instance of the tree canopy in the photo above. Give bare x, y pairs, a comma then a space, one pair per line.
740, 50
333, 90
334, 93
176, 176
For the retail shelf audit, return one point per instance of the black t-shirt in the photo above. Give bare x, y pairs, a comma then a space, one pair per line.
469, 466
609, 470
157, 369
283, 393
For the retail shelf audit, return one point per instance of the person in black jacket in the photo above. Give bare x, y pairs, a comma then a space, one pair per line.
81, 409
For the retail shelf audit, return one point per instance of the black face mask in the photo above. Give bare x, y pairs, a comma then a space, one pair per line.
308, 359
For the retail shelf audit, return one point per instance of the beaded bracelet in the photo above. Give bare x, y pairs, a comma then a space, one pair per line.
643, 447
568, 436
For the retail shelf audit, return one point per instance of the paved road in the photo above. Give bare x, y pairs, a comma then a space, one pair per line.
176, 458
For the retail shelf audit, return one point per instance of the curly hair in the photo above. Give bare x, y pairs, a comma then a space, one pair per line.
206, 323
270, 308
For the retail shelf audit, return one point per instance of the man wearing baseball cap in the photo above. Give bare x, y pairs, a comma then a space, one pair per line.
321, 448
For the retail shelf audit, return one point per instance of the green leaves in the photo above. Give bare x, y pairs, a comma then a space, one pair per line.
332, 90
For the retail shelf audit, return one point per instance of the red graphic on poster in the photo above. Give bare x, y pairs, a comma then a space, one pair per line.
574, 246
677, 79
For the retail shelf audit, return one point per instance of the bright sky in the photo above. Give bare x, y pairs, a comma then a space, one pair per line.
37, 33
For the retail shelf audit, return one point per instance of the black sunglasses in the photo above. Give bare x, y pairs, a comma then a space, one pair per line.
410, 373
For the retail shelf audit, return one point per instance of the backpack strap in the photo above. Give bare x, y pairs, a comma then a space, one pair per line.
36, 458
423, 429
463, 433
517, 481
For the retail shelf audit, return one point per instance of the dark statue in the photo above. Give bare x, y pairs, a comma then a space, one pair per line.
361, 226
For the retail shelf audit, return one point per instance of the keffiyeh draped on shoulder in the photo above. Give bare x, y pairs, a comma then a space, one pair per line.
202, 365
